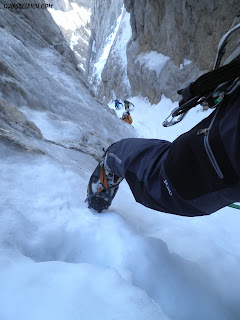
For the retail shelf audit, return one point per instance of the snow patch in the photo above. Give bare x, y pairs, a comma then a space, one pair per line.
185, 63
72, 19
152, 60
99, 65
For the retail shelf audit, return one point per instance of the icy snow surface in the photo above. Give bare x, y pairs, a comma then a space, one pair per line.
60, 260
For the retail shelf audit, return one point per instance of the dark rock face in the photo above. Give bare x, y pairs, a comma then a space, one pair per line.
181, 29
184, 31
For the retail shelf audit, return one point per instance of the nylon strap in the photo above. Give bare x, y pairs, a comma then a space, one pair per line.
209, 81
235, 206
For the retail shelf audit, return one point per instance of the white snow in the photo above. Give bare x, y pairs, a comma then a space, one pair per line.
210, 241
99, 65
185, 62
60, 260
73, 18
152, 60
124, 36
119, 49
148, 119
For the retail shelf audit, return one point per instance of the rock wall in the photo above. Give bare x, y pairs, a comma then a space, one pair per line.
114, 80
185, 32
182, 29
73, 19
179, 30
103, 21
110, 23
45, 104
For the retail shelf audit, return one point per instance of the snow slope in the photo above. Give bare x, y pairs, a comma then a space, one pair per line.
60, 260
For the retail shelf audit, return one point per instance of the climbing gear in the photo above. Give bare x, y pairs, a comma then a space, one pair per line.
234, 205
102, 187
210, 88
175, 119
222, 46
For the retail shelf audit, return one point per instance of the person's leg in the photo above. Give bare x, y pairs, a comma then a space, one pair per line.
141, 163
130, 159
135, 155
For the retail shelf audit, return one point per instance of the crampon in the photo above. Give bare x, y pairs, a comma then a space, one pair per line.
102, 188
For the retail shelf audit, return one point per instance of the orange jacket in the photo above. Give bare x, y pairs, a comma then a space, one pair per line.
127, 118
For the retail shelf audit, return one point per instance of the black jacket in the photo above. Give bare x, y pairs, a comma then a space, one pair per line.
195, 175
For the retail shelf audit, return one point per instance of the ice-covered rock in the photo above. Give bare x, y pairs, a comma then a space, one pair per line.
41, 88
73, 18
107, 59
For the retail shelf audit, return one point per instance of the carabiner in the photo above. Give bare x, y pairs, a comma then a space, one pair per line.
173, 121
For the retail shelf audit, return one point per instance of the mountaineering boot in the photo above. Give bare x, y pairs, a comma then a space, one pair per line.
102, 187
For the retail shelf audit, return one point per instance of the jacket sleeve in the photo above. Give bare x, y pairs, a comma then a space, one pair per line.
192, 176
141, 163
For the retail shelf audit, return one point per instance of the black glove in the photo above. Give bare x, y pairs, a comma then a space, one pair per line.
186, 94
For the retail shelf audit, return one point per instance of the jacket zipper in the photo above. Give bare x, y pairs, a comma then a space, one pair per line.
208, 149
